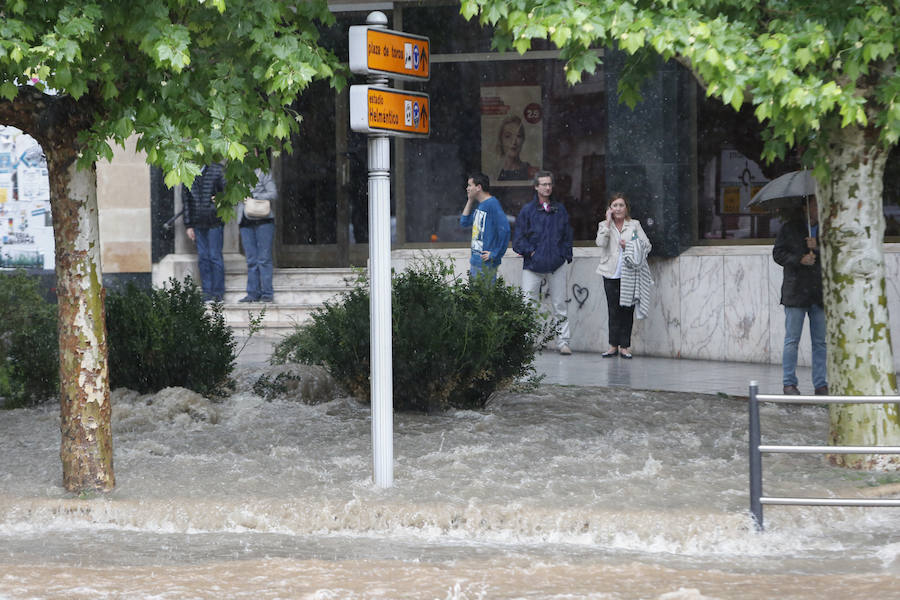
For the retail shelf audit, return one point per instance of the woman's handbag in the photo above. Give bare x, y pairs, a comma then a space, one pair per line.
256, 208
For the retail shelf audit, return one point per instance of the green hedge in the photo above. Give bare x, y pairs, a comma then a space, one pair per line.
29, 345
156, 339
455, 341
168, 337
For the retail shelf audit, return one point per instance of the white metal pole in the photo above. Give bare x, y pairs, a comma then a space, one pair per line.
379, 164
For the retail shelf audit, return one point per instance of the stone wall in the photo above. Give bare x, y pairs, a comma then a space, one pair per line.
712, 302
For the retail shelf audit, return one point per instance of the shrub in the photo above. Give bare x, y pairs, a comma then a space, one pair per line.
29, 345
168, 337
455, 342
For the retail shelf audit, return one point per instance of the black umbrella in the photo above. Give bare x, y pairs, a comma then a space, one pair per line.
786, 190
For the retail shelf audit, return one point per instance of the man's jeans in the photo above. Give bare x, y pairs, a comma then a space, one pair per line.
210, 262
556, 282
793, 329
483, 270
257, 241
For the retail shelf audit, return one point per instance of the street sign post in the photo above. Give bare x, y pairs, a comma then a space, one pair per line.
377, 109
383, 112
376, 51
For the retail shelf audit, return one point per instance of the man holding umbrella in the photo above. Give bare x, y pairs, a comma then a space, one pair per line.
797, 250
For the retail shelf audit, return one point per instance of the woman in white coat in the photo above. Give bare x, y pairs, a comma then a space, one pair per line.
612, 236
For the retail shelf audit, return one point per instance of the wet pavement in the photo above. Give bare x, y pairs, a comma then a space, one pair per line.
641, 372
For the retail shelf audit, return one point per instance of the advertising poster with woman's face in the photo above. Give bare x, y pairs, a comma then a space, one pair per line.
512, 139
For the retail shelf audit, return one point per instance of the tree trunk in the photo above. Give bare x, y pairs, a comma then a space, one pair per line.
860, 361
86, 448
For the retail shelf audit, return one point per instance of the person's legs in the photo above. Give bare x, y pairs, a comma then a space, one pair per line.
249, 241
265, 233
793, 328
611, 287
556, 281
817, 335
531, 285
625, 318
204, 266
482, 271
217, 262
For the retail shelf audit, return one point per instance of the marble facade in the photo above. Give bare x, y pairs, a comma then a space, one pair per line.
711, 302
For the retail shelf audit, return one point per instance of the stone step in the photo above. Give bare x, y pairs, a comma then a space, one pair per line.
297, 278
277, 320
298, 292
291, 295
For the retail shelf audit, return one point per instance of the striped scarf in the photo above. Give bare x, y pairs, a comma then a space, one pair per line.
637, 284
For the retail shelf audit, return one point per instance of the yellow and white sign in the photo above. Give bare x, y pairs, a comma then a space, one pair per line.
392, 53
376, 109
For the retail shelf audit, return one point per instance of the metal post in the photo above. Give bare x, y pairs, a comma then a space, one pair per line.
379, 166
755, 458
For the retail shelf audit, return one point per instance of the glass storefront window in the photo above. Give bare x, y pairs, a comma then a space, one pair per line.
507, 119
507, 116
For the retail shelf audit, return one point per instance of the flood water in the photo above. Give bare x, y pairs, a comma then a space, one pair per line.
563, 492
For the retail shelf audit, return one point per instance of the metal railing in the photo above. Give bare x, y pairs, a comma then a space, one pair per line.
756, 449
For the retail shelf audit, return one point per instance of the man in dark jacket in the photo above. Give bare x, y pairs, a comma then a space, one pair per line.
206, 229
544, 239
796, 249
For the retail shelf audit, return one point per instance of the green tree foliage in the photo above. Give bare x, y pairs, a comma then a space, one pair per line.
168, 337
455, 342
808, 67
29, 362
197, 81
821, 75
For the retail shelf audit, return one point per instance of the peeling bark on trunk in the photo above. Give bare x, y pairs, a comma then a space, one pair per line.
55, 121
860, 360
86, 447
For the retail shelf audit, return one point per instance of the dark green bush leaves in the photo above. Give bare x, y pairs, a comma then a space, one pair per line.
455, 342
29, 347
168, 337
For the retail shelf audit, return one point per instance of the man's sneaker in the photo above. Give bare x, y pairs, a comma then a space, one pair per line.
248, 299
822, 390
791, 390
267, 299
565, 350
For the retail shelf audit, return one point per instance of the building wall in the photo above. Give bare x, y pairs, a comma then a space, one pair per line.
123, 200
712, 302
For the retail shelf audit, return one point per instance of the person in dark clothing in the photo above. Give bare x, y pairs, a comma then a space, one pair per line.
544, 239
797, 250
206, 229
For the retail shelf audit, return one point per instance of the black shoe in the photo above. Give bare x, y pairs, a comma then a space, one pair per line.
822, 390
791, 390
610, 354
267, 299
626, 355
248, 299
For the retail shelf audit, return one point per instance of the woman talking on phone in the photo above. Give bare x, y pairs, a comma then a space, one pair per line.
613, 237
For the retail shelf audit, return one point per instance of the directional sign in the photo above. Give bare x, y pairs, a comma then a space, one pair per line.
401, 113
376, 109
392, 53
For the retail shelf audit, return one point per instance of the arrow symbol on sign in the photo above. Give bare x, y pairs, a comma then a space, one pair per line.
424, 59
424, 116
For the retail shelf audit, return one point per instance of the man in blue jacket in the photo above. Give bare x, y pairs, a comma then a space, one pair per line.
544, 239
490, 228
